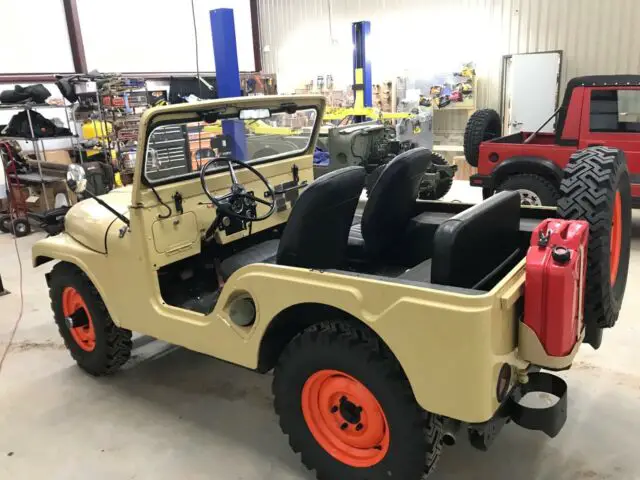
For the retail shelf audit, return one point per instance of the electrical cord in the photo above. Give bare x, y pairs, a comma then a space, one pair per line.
195, 34
160, 216
12, 336
13, 216
352, 143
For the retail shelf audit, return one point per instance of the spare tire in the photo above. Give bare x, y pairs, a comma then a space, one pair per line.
596, 188
483, 125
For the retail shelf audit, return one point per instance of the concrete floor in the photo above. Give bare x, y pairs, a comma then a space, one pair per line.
173, 414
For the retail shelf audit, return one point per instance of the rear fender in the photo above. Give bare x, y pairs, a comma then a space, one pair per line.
526, 164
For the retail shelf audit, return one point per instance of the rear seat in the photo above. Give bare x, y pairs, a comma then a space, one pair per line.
473, 248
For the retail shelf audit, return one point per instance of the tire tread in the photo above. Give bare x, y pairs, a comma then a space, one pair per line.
118, 340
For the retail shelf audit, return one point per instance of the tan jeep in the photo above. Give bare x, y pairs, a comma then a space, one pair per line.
390, 331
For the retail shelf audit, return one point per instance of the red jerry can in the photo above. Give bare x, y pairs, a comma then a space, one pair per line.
555, 283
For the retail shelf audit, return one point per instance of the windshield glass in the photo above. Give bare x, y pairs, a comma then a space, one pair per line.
179, 150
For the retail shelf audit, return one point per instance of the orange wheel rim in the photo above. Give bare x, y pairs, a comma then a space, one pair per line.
616, 238
84, 336
345, 418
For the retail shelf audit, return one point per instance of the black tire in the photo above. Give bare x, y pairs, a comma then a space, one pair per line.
443, 186
483, 125
415, 441
591, 181
20, 227
112, 343
535, 186
372, 179
5, 223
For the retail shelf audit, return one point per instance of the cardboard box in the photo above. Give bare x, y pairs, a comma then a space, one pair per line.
61, 157
464, 169
35, 197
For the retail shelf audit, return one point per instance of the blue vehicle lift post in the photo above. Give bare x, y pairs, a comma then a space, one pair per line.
362, 87
223, 34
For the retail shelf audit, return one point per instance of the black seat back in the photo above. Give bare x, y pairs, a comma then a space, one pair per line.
392, 200
472, 248
318, 227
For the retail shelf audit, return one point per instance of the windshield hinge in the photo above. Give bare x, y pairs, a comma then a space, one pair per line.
177, 198
295, 171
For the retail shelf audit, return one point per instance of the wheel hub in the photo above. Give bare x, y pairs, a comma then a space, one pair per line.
345, 418
78, 320
350, 411
528, 197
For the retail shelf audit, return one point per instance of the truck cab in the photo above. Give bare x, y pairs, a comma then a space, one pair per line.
599, 110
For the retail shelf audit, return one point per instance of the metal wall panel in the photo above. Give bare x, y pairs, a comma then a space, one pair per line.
596, 37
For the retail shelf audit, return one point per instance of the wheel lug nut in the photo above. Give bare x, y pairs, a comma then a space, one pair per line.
359, 427
344, 426
334, 409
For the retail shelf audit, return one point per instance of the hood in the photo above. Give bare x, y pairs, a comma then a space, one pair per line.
88, 221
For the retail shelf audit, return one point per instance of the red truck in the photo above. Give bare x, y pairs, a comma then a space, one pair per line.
596, 110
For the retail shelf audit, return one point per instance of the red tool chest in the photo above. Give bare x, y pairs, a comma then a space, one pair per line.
554, 286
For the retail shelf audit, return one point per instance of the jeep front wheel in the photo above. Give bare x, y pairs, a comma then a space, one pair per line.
348, 409
534, 190
96, 344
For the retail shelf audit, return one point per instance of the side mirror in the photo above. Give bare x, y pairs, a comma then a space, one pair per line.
76, 178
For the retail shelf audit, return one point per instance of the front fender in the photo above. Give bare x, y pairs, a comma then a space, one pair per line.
64, 248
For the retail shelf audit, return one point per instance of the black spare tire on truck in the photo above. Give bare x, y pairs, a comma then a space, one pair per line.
483, 125
596, 188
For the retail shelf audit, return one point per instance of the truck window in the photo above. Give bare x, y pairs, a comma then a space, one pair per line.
615, 111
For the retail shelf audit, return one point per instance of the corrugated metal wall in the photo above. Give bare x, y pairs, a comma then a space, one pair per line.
306, 38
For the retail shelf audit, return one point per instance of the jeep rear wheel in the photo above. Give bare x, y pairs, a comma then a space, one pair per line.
348, 409
596, 188
96, 344
483, 125
534, 190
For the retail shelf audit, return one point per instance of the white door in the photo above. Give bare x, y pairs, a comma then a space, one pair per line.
532, 84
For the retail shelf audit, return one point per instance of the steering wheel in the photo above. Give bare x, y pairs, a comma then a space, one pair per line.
228, 204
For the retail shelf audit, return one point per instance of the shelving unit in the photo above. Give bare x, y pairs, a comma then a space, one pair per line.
39, 144
118, 101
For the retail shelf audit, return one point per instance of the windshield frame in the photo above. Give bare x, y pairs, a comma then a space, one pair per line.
198, 116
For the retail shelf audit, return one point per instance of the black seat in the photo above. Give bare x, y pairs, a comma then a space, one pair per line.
476, 246
316, 234
391, 203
